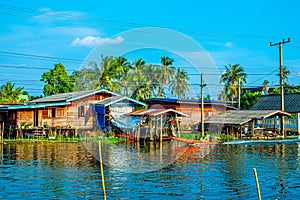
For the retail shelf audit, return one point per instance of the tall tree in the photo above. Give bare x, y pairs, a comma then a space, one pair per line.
249, 98
231, 77
87, 77
57, 81
119, 72
180, 85
139, 80
106, 78
167, 73
286, 73
11, 95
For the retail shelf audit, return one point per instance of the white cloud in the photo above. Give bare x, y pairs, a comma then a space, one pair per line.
91, 41
228, 44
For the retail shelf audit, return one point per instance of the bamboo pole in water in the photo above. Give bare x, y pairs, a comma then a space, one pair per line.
102, 172
257, 184
1, 132
1, 135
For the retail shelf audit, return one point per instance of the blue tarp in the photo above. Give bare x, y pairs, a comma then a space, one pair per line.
126, 122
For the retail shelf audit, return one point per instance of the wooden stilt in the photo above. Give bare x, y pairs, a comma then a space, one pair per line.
1, 132
298, 123
160, 137
155, 134
178, 128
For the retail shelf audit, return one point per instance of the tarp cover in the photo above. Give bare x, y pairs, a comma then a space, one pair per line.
126, 122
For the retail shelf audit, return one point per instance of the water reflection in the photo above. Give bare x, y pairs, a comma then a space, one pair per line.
69, 170
142, 157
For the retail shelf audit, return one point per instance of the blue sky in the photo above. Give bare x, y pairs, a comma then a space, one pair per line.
230, 31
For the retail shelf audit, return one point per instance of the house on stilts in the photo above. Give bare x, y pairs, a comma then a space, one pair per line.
65, 113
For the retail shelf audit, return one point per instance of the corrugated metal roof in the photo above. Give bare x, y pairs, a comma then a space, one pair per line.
187, 101
239, 117
178, 100
155, 112
41, 105
70, 96
273, 102
116, 99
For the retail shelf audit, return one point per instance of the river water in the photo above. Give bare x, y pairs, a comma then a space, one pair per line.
41, 170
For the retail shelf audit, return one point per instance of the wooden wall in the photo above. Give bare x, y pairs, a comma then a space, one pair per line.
193, 110
64, 115
25, 116
70, 116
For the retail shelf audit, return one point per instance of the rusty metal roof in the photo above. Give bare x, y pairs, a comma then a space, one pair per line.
239, 117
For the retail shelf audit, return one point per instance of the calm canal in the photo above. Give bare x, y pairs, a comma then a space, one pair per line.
41, 170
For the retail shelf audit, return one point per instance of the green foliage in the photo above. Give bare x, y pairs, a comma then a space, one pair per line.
224, 137
57, 81
167, 73
231, 77
248, 99
11, 95
180, 85
293, 91
138, 80
285, 74
276, 91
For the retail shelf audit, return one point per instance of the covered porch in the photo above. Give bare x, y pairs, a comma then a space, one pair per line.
243, 123
156, 124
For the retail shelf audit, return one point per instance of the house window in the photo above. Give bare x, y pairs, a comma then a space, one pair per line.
81, 111
60, 112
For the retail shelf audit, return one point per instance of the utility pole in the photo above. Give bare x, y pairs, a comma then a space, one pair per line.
281, 80
202, 85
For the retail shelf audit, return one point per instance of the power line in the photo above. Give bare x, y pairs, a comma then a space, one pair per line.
130, 24
40, 57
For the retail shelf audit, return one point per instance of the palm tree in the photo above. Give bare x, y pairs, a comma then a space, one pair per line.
139, 79
8, 94
167, 73
180, 85
233, 77
87, 77
106, 77
121, 73
285, 74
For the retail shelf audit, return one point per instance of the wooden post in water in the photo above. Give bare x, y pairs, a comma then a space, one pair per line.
178, 128
257, 184
102, 172
298, 123
160, 137
155, 134
1, 132
252, 126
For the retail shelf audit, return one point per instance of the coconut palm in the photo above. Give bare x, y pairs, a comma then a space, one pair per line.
180, 85
138, 78
88, 77
167, 73
9, 94
231, 77
285, 74
120, 72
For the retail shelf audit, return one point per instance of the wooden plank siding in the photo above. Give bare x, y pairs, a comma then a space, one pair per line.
193, 110
59, 116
